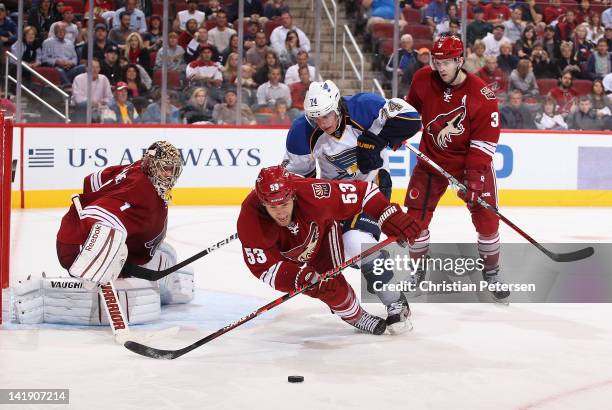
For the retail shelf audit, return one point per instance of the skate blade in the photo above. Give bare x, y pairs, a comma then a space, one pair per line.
400, 327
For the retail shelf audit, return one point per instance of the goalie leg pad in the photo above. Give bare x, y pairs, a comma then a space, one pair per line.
102, 256
178, 286
68, 301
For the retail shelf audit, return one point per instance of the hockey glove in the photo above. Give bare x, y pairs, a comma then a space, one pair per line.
474, 182
369, 146
395, 222
307, 275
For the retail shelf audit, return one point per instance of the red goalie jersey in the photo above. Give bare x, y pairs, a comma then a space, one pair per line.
274, 253
123, 198
460, 124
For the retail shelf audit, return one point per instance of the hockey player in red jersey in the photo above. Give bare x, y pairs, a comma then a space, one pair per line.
290, 231
460, 132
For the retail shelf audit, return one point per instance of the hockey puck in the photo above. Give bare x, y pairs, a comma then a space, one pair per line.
295, 379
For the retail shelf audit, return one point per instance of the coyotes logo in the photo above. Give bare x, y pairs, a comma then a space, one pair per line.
303, 252
445, 126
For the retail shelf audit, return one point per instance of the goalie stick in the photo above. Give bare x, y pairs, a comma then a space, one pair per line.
149, 274
557, 257
154, 353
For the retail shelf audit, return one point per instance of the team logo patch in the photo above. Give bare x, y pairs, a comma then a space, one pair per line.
488, 93
445, 126
321, 190
303, 252
413, 193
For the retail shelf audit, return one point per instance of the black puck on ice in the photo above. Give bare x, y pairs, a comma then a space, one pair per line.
295, 379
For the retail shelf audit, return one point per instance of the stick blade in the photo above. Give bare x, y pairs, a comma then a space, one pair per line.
151, 352
572, 256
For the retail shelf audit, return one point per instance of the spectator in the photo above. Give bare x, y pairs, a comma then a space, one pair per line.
248, 71
261, 75
253, 11
213, 7
230, 69
110, 67
595, 28
405, 56
600, 62
135, 86
524, 46
174, 56
494, 77
31, 52
493, 40
225, 113
102, 8
585, 118
564, 94
72, 31
522, 79
232, 48
280, 116
204, 71
496, 12
279, 34
422, 60
454, 27
256, 55
515, 115
383, 11
138, 21
472, 5
100, 43
606, 17
515, 26
288, 54
120, 109
608, 36
567, 60
219, 36
60, 54
199, 108
153, 38
152, 114
532, 12
550, 44
566, 28
435, 13
275, 8
119, 34
101, 93
192, 12
451, 16
190, 33
583, 14
136, 53
478, 28
292, 75
553, 11
192, 52
543, 66
250, 34
506, 60
549, 119
476, 60
582, 47
272, 90
298, 91
601, 102
42, 17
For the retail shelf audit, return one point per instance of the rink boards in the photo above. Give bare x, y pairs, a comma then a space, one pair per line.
220, 163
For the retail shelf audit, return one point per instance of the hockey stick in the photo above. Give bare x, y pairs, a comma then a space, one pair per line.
557, 257
150, 274
173, 354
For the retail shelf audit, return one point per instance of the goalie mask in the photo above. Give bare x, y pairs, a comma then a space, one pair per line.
162, 163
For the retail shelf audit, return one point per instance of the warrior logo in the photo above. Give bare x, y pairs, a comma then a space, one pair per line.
303, 252
445, 126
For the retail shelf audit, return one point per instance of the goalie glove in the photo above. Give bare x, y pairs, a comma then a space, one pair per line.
369, 146
307, 275
395, 222
474, 183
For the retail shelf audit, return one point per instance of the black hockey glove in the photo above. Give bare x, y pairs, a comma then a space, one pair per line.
369, 146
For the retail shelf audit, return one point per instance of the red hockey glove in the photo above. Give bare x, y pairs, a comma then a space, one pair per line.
395, 222
308, 275
474, 182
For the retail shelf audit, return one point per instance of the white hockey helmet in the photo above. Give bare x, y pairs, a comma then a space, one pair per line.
321, 99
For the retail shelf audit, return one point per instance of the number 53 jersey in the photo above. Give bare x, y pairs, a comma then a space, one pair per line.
460, 124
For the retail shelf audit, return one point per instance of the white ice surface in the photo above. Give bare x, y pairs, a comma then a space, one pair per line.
460, 356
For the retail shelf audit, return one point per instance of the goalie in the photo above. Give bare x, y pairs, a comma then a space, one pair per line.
120, 217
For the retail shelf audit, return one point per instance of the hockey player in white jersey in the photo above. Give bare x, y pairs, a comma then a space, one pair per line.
347, 138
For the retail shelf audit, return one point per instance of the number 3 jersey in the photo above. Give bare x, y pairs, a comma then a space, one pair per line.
123, 198
337, 154
460, 124
275, 253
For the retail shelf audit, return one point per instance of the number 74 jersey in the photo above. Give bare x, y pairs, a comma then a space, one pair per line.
460, 124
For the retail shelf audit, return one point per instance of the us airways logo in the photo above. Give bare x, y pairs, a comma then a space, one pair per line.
445, 126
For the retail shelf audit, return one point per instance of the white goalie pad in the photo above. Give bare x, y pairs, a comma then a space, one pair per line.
178, 286
67, 301
102, 256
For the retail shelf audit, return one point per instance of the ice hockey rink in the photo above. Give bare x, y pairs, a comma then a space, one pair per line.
462, 356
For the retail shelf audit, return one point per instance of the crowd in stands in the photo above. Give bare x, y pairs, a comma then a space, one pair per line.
548, 62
